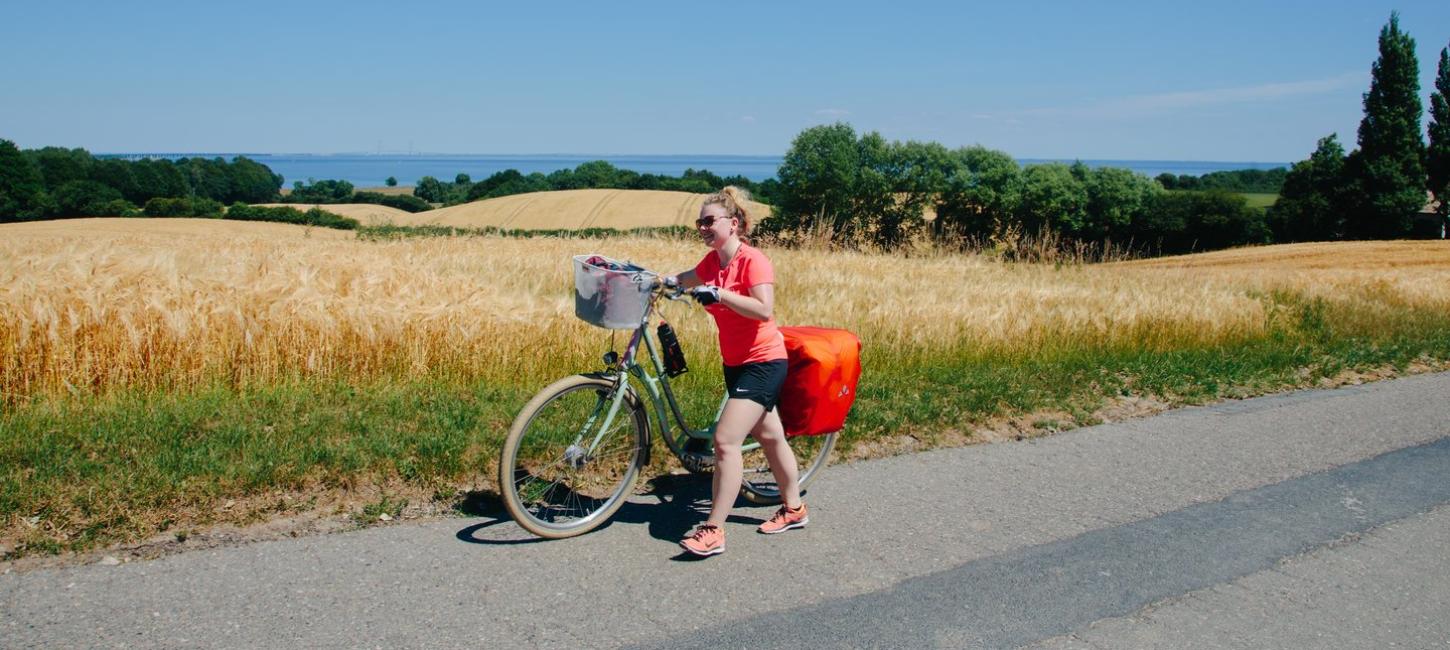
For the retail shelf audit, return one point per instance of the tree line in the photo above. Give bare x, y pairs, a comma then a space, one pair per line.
864, 189
1377, 190
337, 191
1259, 181
868, 190
596, 174
56, 182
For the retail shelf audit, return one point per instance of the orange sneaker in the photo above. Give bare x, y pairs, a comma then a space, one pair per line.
785, 519
706, 540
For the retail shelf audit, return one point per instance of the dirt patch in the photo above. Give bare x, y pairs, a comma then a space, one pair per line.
269, 517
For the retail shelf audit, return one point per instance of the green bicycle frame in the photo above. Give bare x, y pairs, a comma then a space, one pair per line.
657, 388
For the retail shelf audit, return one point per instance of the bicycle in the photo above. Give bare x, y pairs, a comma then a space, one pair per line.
574, 453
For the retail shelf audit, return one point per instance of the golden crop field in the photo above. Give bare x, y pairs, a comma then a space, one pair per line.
169, 374
572, 209
97, 305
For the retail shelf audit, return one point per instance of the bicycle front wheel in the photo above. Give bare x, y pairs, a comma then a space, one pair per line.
556, 481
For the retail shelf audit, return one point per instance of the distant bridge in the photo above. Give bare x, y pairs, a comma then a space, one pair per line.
172, 156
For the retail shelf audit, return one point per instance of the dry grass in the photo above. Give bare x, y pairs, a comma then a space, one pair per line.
96, 305
572, 209
151, 230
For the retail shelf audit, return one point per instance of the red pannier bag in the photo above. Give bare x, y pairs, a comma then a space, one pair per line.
820, 385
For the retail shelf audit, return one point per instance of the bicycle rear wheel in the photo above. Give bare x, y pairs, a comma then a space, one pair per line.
551, 481
812, 454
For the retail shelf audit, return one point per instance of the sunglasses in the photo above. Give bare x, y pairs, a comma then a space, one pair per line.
707, 221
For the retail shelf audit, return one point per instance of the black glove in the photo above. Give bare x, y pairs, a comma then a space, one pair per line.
706, 295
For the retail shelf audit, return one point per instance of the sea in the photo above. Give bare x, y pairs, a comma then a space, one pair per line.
372, 170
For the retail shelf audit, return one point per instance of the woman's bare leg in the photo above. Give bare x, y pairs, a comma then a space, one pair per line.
770, 433
738, 419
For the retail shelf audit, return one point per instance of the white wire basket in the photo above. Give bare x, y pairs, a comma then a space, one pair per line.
609, 293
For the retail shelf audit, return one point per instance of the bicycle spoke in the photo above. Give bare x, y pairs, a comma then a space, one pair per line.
573, 468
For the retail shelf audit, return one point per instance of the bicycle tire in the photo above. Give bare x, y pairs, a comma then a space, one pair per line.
813, 453
548, 484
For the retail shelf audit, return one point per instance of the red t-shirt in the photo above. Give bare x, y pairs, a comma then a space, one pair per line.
742, 340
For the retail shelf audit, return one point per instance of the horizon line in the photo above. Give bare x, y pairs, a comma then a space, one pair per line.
420, 154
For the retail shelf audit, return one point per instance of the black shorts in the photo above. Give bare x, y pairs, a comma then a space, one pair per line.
758, 382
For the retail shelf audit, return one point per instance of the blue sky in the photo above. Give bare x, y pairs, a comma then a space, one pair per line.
1232, 81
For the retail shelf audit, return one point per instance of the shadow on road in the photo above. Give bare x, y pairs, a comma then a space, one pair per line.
670, 506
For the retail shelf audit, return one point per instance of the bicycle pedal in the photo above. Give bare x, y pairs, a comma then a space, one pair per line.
698, 462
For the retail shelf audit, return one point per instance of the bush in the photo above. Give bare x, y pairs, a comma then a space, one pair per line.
401, 202
122, 208
190, 206
183, 207
89, 199
1182, 221
313, 217
22, 191
326, 191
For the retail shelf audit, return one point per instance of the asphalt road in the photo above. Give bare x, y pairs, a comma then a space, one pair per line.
1313, 519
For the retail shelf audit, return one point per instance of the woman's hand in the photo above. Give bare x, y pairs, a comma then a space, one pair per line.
706, 295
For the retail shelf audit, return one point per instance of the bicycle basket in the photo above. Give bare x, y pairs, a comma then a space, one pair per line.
609, 293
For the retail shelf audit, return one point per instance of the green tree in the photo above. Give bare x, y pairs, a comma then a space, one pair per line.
1116, 197
251, 182
1387, 172
59, 166
22, 191
486, 187
1437, 156
860, 190
117, 174
207, 177
462, 179
595, 174
158, 178
818, 176
324, 191
431, 190
982, 193
1183, 221
1311, 203
1052, 197
391, 182
90, 199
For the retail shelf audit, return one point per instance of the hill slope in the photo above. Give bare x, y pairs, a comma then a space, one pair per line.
1315, 255
572, 209
115, 227
368, 214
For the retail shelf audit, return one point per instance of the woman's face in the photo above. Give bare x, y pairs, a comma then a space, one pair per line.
715, 225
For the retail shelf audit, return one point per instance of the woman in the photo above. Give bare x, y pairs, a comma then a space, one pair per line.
736, 284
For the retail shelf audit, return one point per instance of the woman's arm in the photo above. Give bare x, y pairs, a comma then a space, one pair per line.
687, 279
759, 305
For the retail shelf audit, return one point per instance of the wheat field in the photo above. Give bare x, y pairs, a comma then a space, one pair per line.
98, 305
573, 210
168, 374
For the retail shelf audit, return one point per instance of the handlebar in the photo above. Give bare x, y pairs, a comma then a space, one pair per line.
676, 293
